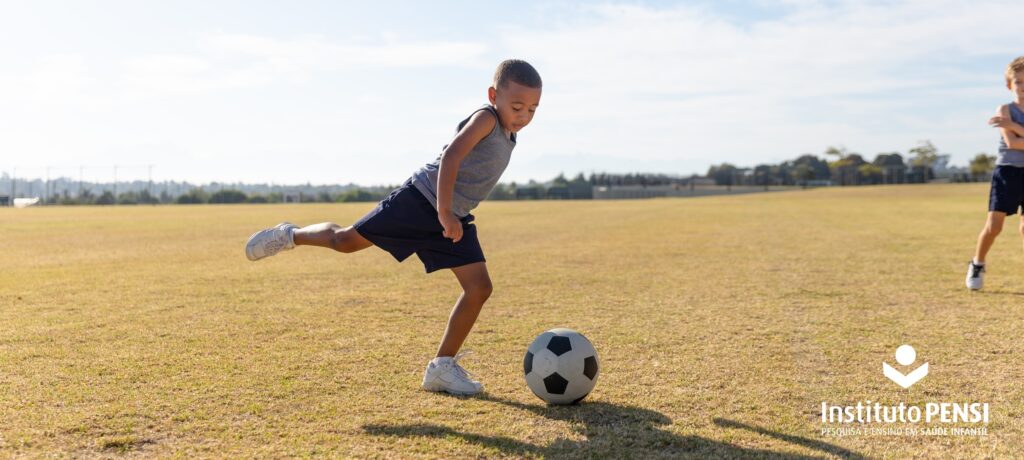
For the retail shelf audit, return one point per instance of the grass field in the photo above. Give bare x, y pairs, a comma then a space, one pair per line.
722, 323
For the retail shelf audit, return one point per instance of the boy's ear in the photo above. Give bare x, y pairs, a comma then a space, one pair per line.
492, 95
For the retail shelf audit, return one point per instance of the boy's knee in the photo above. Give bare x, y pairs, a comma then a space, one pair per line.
482, 290
994, 226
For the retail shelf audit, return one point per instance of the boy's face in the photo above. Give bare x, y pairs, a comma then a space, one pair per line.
515, 104
1016, 85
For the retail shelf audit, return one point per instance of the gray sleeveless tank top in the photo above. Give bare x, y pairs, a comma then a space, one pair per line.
1008, 156
478, 173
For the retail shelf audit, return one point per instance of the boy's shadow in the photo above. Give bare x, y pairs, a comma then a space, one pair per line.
612, 430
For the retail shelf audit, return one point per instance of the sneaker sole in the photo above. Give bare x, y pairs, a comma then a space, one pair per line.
249, 246
441, 389
452, 392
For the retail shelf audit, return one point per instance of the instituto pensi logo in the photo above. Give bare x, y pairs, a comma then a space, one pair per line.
905, 355
954, 418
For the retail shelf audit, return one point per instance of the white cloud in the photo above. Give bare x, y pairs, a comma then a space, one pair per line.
229, 61
234, 107
626, 86
682, 83
50, 80
317, 52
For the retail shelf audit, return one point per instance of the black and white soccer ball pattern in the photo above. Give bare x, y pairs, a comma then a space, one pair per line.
561, 366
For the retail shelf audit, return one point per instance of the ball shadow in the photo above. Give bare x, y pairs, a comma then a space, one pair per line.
611, 430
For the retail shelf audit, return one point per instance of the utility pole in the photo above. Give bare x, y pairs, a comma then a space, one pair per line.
80, 168
14, 187
149, 187
115, 185
46, 194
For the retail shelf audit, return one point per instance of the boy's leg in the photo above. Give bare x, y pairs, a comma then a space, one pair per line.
1021, 228
331, 235
443, 372
976, 268
988, 235
476, 288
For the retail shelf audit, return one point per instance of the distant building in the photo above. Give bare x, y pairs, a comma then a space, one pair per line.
698, 181
558, 192
5, 200
529, 193
619, 192
572, 191
580, 191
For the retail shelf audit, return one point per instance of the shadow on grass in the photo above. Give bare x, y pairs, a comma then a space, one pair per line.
806, 442
612, 430
998, 292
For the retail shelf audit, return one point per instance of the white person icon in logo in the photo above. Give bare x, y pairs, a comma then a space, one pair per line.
905, 355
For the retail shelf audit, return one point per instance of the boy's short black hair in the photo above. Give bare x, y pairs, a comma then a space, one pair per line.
516, 70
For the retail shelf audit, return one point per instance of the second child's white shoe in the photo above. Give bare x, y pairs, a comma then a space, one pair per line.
270, 241
445, 374
975, 276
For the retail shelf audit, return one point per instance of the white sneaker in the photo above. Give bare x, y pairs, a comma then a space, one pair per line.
270, 241
445, 374
975, 276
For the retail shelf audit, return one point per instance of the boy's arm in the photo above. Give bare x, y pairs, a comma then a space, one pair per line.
479, 126
1012, 132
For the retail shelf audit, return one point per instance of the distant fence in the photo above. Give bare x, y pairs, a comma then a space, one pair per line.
633, 192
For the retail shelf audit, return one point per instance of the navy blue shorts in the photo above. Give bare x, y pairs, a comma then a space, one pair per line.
405, 223
1007, 189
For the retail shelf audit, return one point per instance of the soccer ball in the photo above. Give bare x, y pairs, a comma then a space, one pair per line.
561, 366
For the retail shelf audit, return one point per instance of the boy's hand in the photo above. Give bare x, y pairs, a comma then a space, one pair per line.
999, 121
452, 226
1007, 123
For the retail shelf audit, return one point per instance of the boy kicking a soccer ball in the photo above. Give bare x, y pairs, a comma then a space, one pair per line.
1007, 191
429, 215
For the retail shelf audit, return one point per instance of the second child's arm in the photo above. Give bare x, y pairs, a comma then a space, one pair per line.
479, 126
1012, 133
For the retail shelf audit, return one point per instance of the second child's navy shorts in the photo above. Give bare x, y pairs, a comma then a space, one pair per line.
1007, 192
405, 223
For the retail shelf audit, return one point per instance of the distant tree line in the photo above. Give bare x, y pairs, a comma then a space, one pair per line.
837, 166
842, 167
223, 196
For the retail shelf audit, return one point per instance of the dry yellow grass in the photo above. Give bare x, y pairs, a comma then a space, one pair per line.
721, 323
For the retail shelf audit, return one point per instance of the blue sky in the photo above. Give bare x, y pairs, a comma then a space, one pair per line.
366, 92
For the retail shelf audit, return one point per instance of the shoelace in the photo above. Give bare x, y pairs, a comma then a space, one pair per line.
457, 367
976, 269
276, 241
272, 246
